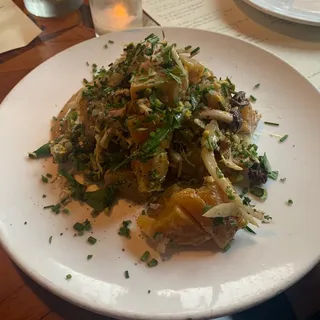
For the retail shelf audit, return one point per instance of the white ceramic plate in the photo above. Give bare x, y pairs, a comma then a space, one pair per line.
196, 283
301, 11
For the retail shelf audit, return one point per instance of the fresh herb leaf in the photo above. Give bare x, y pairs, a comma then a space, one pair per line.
68, 276
283, 138
246, 200
89, 256
219, 173
126, 274
92, 240
50, 239
256, 86
249, 229
174, 77
273, 175
230, 193
44, 179
187, 47
290, 201
124, 229
152, 263
253, 99
259, 192
194, 52
145, 256
100, 199
218, 221
110, 41
271, 123
43, 151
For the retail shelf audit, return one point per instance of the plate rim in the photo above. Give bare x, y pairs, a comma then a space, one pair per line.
127, 314
283, 16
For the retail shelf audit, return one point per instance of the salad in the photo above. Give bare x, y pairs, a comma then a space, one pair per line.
159, 123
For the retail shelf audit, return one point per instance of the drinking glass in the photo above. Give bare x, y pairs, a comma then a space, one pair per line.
115, 15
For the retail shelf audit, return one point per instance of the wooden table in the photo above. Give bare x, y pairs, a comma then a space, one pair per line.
20, 297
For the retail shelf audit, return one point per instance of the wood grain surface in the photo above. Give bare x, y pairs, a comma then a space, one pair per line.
20, 297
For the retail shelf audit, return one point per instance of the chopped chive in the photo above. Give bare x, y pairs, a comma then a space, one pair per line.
48, 207
54, 118
273, 175
187, 47
194, 51
145, 256
50, 239
44, 196
66, 210
290, 202
227, 247
92, 240
252, 98
68, 276
89, 256
249, 229
271, 123
283, 179
105, 46
256, 86
126, 274
87, 63
284, 138
110, 41
219, 173
152, 263
44, 179
259, 192
85, 81
78, 226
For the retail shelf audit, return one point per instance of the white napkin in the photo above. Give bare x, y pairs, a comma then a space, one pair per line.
16, 29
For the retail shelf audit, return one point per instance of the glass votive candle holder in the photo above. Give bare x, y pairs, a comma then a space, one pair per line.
115, 15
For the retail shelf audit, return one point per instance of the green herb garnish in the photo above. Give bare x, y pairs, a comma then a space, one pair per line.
92, 240
68, 276
145, 256
152, 263
105, 46
283, 138
43, 151
124, 229
259, 192
110, 41
48, 207
126, 274
283, 179
230, 193
256, 86
50, 239
253, 99
289, 202
44, 179
273, 175
219, 173
89, 256
187, 47
249, 229
271, 123
194, 52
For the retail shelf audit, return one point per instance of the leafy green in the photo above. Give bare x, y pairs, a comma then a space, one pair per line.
43, 151
98, 200
259, 192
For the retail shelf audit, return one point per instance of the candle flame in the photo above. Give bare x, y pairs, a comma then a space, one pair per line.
120, 11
